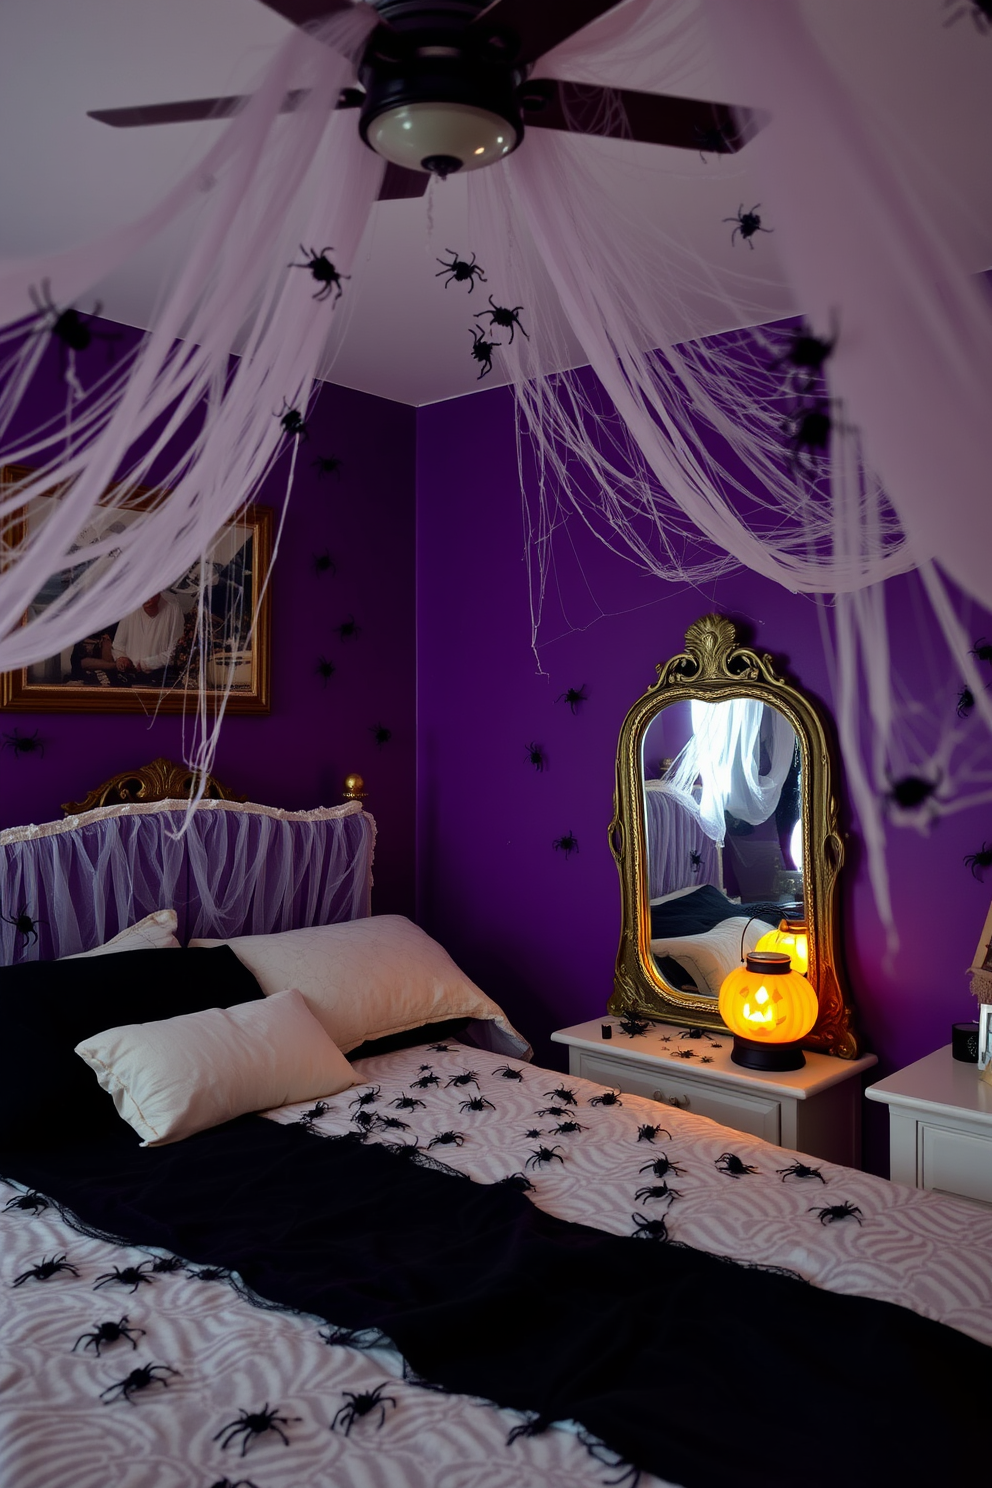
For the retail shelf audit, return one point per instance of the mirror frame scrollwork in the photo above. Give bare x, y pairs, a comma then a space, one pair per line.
714, 667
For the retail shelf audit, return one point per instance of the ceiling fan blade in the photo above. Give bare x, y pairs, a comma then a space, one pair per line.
654, 118
303, 12
399, 184
540, 25
192, 109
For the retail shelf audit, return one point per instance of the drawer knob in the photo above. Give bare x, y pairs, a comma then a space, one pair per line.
673, 1100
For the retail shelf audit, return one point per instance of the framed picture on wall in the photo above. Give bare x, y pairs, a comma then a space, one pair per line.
154, 659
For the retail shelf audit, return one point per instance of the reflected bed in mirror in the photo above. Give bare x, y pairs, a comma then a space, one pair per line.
725, 829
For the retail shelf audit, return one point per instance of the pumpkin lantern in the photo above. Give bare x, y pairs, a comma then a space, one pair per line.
768, 1007
792, 937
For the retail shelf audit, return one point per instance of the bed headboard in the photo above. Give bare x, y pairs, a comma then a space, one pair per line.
232, 868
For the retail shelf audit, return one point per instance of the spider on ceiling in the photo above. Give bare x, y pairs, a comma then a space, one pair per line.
459, 270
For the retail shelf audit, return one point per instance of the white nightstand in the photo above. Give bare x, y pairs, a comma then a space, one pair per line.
816, 1109
940, 1126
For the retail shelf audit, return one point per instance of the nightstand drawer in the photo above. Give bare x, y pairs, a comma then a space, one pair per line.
759, 1115
955, 1162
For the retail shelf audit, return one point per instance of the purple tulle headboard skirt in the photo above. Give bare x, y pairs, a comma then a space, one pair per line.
232, 868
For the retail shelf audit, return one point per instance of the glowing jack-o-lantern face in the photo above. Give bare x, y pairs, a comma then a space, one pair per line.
791, 937
767, 1001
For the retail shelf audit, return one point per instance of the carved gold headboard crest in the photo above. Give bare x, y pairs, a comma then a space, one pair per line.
162, 780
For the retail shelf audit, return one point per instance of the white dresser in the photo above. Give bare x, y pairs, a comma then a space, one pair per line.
816, 1109
940, 1126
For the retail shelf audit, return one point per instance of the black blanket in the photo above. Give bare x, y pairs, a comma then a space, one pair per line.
709, 1374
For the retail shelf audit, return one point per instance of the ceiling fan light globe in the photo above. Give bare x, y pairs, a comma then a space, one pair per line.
415, 132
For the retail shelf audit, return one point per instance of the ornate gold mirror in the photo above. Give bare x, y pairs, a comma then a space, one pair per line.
725, 824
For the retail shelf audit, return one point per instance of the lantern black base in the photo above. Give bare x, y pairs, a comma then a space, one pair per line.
757, 1056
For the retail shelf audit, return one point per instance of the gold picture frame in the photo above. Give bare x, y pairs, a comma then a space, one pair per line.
75, 682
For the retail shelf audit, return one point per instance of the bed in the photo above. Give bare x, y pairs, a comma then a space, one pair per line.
451, 1267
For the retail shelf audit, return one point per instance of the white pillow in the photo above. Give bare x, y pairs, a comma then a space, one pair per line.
364, 979
710, 957
178, 1076
156, 932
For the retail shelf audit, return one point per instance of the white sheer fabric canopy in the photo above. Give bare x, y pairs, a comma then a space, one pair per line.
722, 762
236, 869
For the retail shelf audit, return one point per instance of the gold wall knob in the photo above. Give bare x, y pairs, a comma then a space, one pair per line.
354, 788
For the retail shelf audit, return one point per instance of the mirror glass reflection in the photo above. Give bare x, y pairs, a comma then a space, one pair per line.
723, 831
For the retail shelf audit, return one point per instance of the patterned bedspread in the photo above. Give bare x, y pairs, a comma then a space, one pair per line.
63, 1424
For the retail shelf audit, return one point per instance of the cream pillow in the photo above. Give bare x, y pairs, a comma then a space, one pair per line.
364, 979
710, 957
156, 932
178, 1076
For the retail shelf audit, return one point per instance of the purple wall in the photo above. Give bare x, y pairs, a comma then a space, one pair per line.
298, 756
540, 931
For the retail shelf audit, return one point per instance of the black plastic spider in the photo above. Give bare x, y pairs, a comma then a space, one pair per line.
24, 743
32, 1200
567, 844
293, 422
358, 1406
423, 1067
67, 326
714, 140
138, 1379
608, 1098
209, 1273
327, 465
807, 353
323, 271
648, 1133
507, 1072
685, 1053
649, 1229
438, 1049
982, 649
482, 351
476, 1103
360, 1338
130, 1276
730, 1163
696, 859
809, 433
662, 1166
45, 1269
573, 696
367, 1097
556, 1111
408, 1103
109, 1333
391, 1123
565, 1128
706, 1059
657, 1191
503, 316
253, 1424
314, 1114
544, 1155
532, 1133
380, 733
24, 924
447, 1139
366, 1120
977, 862
911, 791
535, 756
748, 223
563, 1094
167, 1265
226, 1483
800, 1170
424, 1082
324, 563
692, 1033
518, 1181
460, 270
966, 701
467, 1077
633, 1026
834, 1212
325, 669
979, 10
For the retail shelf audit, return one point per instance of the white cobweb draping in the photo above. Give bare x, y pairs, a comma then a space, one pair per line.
683, 455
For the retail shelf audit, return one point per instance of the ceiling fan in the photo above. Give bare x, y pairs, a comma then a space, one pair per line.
446, 86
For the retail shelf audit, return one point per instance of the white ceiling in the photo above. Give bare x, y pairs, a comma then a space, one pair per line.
65, 178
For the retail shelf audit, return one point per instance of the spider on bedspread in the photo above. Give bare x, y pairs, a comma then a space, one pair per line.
799, 1170
507, 1072
356, 1407
648, 1133
138, 1379
447, 1139
32, 1200
661, 1166
45, 1269
250, 1425
476, 1103
649, 1229
544, 1155
657, 1191
408, 1103
831, 1213
563, 1094
367, 1097
108, 1333
731, 1164
129, 1276
467, 1077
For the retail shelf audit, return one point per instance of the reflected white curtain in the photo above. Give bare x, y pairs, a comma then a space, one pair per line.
676, 839
721, 766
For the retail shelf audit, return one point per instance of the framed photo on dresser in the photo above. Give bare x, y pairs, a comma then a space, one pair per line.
211, 625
